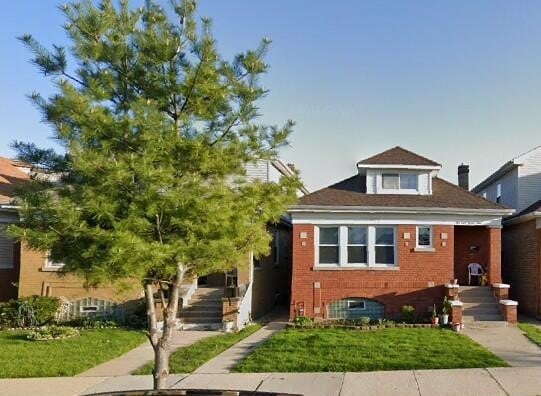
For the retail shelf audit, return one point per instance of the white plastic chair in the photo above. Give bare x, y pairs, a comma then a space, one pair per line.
474, 269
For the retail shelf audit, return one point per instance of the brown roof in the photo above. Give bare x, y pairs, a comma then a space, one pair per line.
352, 192
10, 176
397, 156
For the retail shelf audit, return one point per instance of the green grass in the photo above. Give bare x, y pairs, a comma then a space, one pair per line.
22, 358
532, 332
187, 359
338, 350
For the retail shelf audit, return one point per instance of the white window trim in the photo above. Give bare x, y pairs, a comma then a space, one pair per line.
50, 265
317, 245
343, 245
431, 245
398, 190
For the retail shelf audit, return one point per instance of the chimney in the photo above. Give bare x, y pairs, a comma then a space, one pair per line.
464, 176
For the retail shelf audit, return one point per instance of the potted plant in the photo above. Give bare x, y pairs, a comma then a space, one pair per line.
444, 317
435, 319
228, 325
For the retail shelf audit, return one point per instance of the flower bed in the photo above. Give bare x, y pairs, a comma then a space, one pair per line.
47, 333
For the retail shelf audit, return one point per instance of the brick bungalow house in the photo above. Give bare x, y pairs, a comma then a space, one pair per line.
258, 285
393, 234
517, 184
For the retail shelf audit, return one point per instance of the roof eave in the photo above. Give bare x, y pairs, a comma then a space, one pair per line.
384, 209
502, 171
522, 218
398, 166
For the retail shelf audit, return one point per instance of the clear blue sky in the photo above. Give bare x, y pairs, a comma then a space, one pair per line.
457, 81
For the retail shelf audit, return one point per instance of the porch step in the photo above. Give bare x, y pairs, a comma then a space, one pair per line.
480, 305
204, 309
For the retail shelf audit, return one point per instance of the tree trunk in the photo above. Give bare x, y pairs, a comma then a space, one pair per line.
162, 344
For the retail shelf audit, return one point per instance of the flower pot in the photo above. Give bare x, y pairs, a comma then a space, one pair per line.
444, 319
435, 320
228, 326
457, 326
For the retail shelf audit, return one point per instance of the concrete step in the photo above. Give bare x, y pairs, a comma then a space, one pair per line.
202, 319
202, 326
481, 305
482, 317
203, 308
198, 314
478, 299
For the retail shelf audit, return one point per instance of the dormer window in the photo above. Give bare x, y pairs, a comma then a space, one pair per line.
400, 181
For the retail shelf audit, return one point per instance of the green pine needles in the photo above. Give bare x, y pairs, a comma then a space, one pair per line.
158, 130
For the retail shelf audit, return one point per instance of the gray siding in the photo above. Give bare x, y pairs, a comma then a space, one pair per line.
529, 184
509, 183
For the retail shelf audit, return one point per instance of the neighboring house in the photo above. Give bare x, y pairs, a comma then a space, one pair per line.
391, 235
256, 286
517, 184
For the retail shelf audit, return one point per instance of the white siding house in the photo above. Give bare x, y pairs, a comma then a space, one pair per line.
517, 183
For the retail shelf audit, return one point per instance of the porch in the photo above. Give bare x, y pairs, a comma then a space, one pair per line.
477, 245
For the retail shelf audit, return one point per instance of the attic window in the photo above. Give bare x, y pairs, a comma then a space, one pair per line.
399, 181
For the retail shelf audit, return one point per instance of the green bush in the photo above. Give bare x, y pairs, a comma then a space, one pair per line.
91, 322
303, 321
363, 321
51, 333
28, 311
408, 314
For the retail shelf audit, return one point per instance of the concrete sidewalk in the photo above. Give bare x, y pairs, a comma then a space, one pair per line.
228, 359
137, 357
507, 342
513, 381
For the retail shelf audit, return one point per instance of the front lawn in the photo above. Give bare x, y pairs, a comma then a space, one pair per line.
339, 350
187, 359
22, 358
532, 332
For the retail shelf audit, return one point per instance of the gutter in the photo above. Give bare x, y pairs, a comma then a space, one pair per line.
522, 219
380, 209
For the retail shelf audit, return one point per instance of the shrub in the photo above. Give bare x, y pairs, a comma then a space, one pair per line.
51, 333
91, 322
28, 311
408, 314
363, 321
303, 321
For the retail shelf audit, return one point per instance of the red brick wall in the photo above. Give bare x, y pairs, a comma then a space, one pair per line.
418, 281
494, 243
521, 244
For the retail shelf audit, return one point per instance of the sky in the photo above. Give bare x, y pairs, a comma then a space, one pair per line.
456, 81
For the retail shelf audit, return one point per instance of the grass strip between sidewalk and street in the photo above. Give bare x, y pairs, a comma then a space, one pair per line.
341, 350
20, 357
532, 332
189, 358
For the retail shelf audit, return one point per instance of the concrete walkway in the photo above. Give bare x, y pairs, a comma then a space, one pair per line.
513, 381
507, 342
137, 357
228, 359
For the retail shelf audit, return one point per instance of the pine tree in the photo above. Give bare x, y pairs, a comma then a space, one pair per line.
157, 129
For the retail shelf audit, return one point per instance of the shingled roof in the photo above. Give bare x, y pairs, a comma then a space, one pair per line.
398, 156
352, 192
10, 177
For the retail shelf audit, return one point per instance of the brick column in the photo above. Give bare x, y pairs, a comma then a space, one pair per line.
456, 314
508, 309
494, 246
230, 309
451, 291
501, 291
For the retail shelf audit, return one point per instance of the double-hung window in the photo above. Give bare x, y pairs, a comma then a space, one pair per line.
424, 237
329, 246
356, 246
384, 246
400, 181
